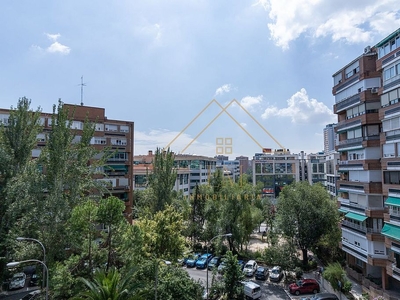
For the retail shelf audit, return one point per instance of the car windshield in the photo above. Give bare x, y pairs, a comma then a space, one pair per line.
18, 278
214, 260
249, 266
275, 271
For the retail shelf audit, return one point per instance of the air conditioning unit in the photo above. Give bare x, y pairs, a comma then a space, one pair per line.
374, 90
367, 49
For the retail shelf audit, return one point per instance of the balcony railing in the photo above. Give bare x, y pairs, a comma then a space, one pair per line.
393, 212
354, 226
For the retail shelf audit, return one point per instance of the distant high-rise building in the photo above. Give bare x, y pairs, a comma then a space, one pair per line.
329, 138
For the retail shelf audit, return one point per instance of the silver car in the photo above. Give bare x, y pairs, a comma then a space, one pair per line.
17, 281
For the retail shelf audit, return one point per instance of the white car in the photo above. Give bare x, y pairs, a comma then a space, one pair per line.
17, 281
250, 268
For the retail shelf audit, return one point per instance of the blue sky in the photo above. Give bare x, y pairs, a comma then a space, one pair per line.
159, 63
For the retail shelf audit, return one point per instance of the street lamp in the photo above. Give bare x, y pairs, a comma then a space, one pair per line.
17, 263
220, 235
20, 239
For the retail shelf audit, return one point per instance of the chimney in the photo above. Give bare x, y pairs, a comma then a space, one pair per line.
150, 153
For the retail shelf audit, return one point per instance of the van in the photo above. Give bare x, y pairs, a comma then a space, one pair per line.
251, 290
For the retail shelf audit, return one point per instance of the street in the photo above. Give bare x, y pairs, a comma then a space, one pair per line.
271, 291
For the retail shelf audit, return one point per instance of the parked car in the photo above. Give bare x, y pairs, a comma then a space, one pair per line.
276, 274
304, 286
214, 263
191, 261
34, 281
250, 268
241, 264
324, 296
261, 273
17, 281
222, 267
32, 295
203, 261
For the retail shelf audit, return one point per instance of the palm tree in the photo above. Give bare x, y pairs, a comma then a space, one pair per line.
108, 285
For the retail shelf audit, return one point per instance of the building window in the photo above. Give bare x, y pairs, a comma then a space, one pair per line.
99, 127
359, 262
124, 128
109, 127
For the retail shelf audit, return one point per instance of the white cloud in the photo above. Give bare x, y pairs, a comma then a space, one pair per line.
55, 47
249, 102
153, 32
301, 109
243, 124
53, 37
226, 88
341, 19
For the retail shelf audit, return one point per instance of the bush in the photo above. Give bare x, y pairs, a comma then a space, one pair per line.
299, 272
347, 286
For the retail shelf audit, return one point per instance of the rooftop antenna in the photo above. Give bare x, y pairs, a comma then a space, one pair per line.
82, 85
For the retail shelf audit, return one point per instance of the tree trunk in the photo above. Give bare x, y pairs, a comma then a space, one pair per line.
305, 257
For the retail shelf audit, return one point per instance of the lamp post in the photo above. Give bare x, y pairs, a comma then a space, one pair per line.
20, 239
220, 235
17, 263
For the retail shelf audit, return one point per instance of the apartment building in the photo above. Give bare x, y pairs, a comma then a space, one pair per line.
332, 175
115, 135
388, 64
330, 138
366, 145
316, 166
191, 170
274, 171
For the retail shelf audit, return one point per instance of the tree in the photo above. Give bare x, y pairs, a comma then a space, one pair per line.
163, 178
17, 139
305, 213
162, 235
108, 285
233, 276
110, 213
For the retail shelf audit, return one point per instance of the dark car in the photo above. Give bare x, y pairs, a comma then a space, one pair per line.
34, 281
324, 296
261, 273
191, 261
214, 263
305, 286
241, 264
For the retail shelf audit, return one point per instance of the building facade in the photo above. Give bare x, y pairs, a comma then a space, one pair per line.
366, 96
191, 170
330, 138
116, 136
388, 64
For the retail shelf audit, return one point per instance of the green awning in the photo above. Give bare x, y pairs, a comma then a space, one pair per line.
356, 217
391, 231
393, 201
342, 210
342, 191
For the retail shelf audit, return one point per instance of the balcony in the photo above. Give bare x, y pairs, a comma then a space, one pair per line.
361, 142
354, 227
366, 187
372, 164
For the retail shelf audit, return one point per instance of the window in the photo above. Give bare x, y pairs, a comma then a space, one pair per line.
98, 141
77, 125
388, 150
119, 141
41, 137
109, 127
359, 262
99, 127
124, 128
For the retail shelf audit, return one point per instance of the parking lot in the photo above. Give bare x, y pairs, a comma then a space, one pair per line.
269, 290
